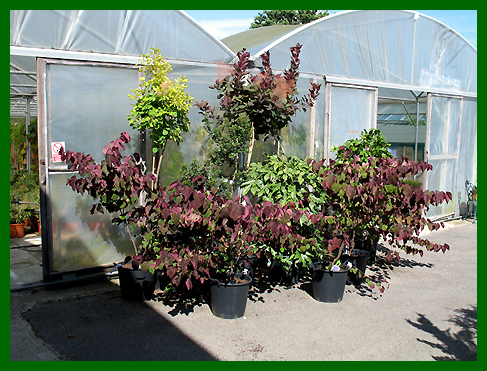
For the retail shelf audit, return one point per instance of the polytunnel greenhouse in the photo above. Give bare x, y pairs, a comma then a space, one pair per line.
410, 76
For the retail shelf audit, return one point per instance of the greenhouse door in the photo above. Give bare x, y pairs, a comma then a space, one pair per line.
82, 107
349, 109
444, 114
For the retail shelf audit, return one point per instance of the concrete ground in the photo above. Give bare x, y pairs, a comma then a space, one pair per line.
427, 312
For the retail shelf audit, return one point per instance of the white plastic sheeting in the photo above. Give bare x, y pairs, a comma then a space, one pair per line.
444, 145
103, 35
382, 46
86, 107
124, 32
351, 109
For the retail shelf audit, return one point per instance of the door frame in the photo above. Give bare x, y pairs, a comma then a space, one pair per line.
45, 167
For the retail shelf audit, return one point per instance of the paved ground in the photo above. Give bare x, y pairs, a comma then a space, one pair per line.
429, 312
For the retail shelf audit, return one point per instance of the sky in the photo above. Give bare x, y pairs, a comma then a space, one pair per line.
223, 23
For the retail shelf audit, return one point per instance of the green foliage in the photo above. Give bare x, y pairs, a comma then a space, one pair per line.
231, 136
292, 183
213, 176
162, 105
274, 17
18, 213
24, 186
18, 144
411, 119
285, 179
412, 183
371, 143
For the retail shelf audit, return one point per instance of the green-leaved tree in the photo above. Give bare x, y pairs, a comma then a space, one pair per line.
275, 17
162, 106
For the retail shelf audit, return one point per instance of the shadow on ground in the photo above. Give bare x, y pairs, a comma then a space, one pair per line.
379, 274
184, 301
457, 346
105, 327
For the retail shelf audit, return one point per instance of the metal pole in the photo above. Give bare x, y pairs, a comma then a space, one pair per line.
416, 97
27, 122
417, 131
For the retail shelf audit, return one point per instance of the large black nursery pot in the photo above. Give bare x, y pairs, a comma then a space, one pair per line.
328, 286
359, 259
228, 300
136, 285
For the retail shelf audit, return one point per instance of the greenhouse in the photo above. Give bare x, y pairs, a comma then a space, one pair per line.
404, 73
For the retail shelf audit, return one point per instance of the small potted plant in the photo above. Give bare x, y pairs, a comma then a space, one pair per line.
330, 267
18, 215
328, 280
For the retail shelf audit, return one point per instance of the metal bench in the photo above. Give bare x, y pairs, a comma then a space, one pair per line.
471, 192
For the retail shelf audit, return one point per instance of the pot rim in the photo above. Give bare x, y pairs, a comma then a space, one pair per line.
314, 264
216, 281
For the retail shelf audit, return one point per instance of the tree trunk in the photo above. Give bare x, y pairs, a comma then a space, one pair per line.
251, 147
159, 164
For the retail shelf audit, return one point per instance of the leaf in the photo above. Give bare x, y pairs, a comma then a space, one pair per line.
350, 191
235, 211
408, 190
198, 200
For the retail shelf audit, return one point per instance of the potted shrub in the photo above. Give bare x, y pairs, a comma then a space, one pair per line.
371, 143
24, 188
200, 236
287, 180
328, 281
370, 198
252, 105
116, 184
119, 182
329, 267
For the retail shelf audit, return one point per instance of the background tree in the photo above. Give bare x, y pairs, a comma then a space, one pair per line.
274, 17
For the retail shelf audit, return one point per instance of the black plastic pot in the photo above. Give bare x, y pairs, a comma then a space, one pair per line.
136, 285
228, 300
276, 273
370, 247
328, 286
359, 259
